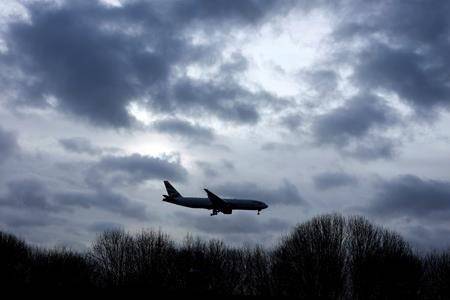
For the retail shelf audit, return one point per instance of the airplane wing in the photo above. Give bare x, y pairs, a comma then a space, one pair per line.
216, 200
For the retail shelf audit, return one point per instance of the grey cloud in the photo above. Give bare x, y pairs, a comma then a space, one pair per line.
374, 148
105, 200
208, 169
73, 58
28, 194
355, 119
292, 121
323, 81
8, 144
138, 168
407, 74
411, 196
80, 145
331, 180
32, 196
428, 237
249, 11
286, 194
96, 59
226, 99
241, 225
185, 129
406, 50
103, 226
275, 146
16, 220
228, 164
237, 64
355, 129
214, 169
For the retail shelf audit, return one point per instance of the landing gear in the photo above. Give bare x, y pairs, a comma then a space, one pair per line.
214, 212
258, 212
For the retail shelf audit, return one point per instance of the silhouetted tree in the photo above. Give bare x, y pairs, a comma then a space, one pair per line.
255, 276
436, 282
112, 253
328, 257
206, 267
15, 261
310, 262
382, 265
154, 261
60, 268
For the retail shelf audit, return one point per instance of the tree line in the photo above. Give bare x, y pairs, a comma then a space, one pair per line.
327, 257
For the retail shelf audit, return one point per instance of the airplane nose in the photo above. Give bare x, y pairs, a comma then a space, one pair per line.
265, 206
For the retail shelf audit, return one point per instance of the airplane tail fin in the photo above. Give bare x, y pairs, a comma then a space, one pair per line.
171, 190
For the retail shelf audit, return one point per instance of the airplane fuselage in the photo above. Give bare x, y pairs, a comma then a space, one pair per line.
234, 204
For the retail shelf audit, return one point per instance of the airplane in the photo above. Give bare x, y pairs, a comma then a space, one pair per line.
213, 202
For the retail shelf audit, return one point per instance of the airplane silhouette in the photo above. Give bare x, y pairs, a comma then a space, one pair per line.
213, 202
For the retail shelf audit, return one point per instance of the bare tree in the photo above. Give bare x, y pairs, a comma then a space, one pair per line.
60, 268
154, 261
15, 261
381, 264
112, 253
255, 272
328, 257
310, 262
436, 283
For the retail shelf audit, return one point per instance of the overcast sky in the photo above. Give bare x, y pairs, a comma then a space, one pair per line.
313, 107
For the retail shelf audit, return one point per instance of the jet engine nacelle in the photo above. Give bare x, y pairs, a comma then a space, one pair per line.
227, 211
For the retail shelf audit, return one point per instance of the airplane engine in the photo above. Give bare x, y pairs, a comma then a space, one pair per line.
227, 211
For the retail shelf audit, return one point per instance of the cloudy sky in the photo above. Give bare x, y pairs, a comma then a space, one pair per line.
331, 106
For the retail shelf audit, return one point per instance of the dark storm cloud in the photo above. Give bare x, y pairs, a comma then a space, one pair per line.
226, 99
96, 59
185, 129
355, 119
80, 145
138, 168
286, 194
104, 200
374, 147
411, 196
406, 50
248, 11
407, 74
331, 180
241, 225
31, 196
28, 194
8, 144
69, 54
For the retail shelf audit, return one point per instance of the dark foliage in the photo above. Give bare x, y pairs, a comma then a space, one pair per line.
328, 257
